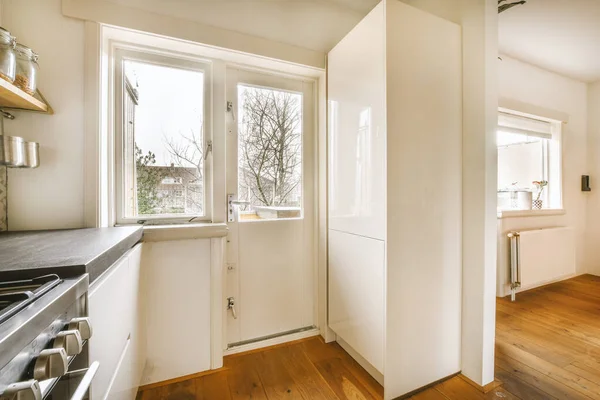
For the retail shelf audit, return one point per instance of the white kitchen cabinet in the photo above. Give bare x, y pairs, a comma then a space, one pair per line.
395, 187
117, 316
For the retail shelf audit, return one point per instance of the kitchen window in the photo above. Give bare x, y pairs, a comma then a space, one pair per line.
162, 138
529, 162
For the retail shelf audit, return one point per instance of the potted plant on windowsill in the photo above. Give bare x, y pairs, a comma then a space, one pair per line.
538, 203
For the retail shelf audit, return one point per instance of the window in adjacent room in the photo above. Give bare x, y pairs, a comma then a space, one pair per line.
529, 162
162, 142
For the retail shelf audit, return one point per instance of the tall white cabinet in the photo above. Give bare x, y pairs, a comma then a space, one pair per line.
395, 207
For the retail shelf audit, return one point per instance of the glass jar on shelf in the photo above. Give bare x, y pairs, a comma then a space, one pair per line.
7, 56
27, 69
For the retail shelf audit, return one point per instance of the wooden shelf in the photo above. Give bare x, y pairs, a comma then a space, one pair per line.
13, 97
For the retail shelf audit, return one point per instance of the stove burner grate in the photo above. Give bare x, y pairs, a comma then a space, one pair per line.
17, 295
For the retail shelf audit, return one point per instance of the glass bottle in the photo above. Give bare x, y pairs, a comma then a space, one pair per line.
7, 56
27, 69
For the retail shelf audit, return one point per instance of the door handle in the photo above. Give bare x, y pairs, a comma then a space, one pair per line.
231, 203
82, 390
231, 306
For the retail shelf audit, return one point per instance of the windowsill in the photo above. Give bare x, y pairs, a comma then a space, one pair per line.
530, 213
163, 233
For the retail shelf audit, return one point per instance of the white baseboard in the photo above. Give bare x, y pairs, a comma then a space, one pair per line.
271, 342
378, 376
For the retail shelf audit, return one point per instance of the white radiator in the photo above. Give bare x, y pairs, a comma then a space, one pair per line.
541, 256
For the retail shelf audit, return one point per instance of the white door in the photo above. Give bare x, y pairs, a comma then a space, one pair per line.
270, 175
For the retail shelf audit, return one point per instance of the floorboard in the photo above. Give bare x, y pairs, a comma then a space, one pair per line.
547, 348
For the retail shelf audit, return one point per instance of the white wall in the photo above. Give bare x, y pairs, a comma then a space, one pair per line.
592, 233
523, 83
50, 196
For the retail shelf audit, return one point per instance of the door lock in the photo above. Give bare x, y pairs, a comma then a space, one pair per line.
232, 203
231, 306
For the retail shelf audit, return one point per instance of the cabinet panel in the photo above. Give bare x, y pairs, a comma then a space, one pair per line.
123, 385
138, 331
424, 199
356, 293
110, 314
178, 321
357, 130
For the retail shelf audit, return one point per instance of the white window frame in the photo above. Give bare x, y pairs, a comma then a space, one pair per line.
172, 60
552, 170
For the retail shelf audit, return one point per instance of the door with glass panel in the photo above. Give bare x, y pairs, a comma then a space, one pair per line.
271, 197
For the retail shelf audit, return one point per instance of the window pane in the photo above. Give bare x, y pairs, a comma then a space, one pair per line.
521, 161
163, 144
269, 153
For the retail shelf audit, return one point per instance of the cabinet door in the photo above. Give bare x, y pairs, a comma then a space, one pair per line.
357, 130
357, 293
109, 311
124, 385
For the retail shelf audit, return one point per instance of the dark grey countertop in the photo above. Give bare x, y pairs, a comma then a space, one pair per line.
70, 252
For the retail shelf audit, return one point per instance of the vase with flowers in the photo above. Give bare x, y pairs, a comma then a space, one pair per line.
538, 203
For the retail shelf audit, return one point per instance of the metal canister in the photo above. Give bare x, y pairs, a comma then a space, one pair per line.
32, 154
12, 151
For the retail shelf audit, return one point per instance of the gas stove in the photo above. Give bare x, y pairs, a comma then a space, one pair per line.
44, 332
16, 295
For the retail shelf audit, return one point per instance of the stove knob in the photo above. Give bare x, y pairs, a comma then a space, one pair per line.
51, 363
28, 390
70, 341
83, 325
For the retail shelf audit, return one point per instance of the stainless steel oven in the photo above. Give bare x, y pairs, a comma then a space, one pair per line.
44, 336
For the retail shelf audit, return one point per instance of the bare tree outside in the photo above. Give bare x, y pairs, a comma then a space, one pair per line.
187, 158
166, 145
270, 147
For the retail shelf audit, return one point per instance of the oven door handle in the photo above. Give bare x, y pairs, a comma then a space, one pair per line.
86, 382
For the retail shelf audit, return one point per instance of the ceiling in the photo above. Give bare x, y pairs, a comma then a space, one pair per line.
562, 36
312, 24
362, 6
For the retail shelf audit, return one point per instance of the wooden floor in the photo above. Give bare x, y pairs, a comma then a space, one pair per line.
547, 347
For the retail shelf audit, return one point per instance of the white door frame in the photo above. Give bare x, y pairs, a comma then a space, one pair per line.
263, 78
